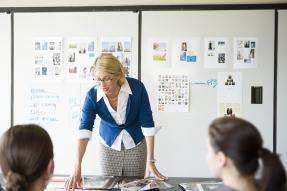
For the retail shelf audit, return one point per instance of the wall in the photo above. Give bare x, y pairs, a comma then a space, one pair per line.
5, 71
282, 87
182, 140
69, 94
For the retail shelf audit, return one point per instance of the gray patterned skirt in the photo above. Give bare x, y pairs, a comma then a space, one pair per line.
130, 162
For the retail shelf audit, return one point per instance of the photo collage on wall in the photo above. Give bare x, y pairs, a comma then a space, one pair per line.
81, 54
215, 53
159, 51
121, 48
188, 50
229, 94
245, 52
48, 54
173, 93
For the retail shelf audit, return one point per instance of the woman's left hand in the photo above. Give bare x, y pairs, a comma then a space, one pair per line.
153, 170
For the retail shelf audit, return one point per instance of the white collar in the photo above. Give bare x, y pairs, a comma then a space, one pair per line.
124, 88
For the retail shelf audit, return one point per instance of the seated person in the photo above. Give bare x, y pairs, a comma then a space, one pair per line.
235, 148
26, 158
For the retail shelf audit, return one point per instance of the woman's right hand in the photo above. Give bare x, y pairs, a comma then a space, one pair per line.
74, 181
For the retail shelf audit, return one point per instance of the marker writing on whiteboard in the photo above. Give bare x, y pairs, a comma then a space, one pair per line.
209, 82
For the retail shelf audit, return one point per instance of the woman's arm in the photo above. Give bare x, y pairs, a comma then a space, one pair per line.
150, 158
75, 180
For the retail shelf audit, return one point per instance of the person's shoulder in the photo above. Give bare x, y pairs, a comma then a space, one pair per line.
92, 91
134, 82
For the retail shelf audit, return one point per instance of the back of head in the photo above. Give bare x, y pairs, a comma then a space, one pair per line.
242, 142
25, 152
108, 63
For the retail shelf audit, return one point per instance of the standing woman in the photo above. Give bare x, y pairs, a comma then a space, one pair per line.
126, 128
235, 147
26, 158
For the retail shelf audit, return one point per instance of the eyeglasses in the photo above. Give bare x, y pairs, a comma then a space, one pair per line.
103, 80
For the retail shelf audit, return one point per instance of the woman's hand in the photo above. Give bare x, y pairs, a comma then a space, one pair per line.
74, 181
153, 170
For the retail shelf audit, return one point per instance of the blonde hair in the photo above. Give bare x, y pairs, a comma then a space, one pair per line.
107, 62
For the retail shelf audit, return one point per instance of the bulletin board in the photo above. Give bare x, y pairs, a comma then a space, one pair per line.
49, 96
182, 139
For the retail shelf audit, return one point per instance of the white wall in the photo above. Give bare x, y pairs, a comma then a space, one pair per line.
91, 24
182, 141
5, 71
282, 87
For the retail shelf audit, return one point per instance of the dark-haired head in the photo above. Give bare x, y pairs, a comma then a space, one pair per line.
240, 141
26, 157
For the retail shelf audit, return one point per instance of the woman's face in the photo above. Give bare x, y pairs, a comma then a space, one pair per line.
213, 160
107, 82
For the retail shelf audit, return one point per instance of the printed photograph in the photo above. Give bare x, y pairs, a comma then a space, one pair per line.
73, 70
221, 58
239, 43
56, 58
183, 46
37, 46
44, 71
252, 44
119, 47
91, 46
191, 58
127, 46
247, 44
211, 45
51, 45
252, 53
183, 56
45, 46
71, 56
239, 55
82, 48
37, 71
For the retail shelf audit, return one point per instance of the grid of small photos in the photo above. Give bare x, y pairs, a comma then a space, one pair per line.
80, 59
173, 93
120, 48
48, 57
244, 53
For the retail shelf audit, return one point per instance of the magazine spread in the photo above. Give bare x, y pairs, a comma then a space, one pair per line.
200, 186
144, 184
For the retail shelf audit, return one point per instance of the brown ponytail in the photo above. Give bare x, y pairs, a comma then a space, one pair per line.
15, 182
241, 141
274, 176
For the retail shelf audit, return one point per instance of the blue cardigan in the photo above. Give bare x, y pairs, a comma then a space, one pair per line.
138, 114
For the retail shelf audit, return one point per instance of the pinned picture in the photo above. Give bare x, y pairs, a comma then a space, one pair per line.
48, 54
81, 54
245, 52
120, 47
215, 52
187, 50
173, 93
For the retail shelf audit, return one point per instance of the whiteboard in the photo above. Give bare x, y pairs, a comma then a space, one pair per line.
281, 87
182, 140
5, 72
65, 97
